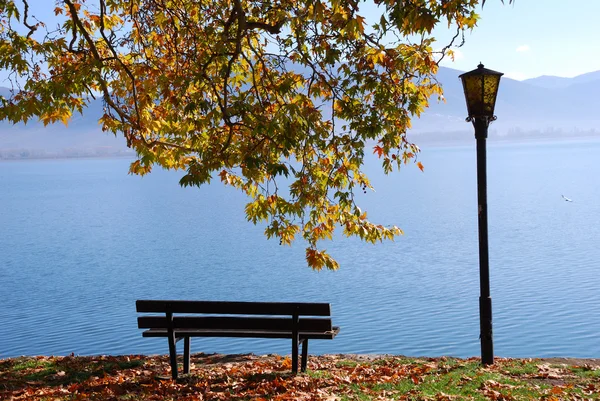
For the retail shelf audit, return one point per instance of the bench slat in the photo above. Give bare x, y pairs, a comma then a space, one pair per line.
242, 333
234, 308
247, 323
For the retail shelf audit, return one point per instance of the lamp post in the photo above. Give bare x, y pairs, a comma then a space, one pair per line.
481, 88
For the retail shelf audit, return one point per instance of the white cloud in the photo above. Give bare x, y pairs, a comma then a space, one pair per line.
458, 54
523, 48
447, 60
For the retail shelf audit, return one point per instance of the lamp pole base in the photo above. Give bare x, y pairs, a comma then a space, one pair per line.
487, 338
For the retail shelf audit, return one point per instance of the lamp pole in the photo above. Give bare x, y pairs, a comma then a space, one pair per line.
485, 300
481, 88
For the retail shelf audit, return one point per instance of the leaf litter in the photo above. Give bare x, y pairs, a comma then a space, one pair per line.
268, 377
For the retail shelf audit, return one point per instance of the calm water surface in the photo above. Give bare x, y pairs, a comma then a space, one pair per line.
81, 241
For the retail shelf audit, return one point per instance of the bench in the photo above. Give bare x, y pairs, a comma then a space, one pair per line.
295, 321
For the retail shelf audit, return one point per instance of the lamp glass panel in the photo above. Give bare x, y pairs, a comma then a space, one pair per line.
473, 90
490, 89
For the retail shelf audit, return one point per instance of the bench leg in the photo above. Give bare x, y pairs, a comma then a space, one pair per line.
304, 354
173, 355
186, 355
295, 340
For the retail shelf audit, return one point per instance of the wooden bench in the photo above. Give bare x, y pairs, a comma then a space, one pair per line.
295, 321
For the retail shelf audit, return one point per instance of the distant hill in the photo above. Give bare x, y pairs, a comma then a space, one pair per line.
81, 138
543, 107
552, 82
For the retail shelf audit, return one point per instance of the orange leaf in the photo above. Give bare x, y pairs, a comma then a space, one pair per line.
286, 363
420, 166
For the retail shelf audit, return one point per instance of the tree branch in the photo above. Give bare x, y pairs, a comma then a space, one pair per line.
116, 56
32, 28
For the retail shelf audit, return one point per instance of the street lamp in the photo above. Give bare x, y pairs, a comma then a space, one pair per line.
481, 88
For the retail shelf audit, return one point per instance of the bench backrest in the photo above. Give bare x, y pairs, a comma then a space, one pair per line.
235, 308
252, 320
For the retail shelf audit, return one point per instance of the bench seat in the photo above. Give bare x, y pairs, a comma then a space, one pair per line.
241, 333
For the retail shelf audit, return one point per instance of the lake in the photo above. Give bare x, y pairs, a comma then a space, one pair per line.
82, 240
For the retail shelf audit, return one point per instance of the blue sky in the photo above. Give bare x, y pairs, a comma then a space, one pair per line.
523, 40
533, 37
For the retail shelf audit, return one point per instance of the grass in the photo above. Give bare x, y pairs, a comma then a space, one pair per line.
331, 378
586, 372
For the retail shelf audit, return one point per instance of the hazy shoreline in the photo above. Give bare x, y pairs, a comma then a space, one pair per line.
421, 140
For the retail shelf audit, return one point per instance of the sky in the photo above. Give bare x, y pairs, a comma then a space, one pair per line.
526, 39
531, 38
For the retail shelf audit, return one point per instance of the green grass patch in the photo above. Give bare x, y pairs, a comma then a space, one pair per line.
459, 379
396, 360
585, 371
29, 363
41, 374
346, 364
519, 367
318, 374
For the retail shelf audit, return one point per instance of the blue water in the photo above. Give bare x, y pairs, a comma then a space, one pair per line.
82, 240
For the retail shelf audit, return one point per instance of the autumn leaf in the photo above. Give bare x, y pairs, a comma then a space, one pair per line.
378, 150
286, 363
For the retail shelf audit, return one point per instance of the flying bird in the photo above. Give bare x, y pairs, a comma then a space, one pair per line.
566, 199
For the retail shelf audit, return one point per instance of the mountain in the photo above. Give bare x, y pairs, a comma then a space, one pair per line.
552, 82
82, 137
543, 107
